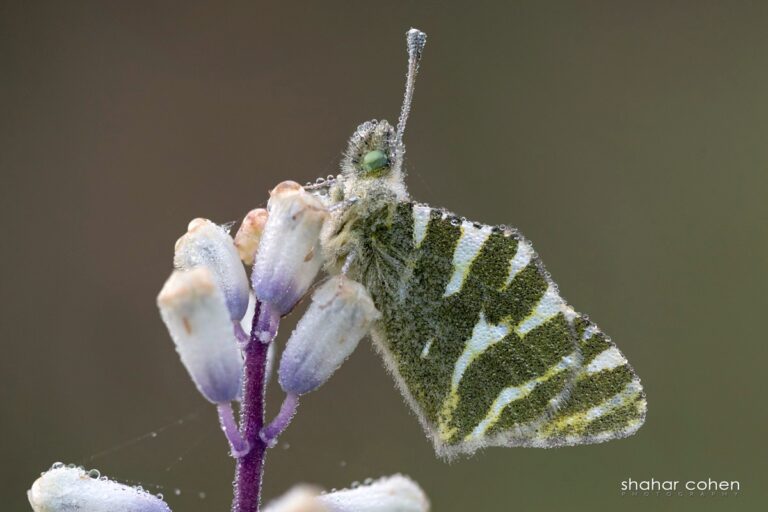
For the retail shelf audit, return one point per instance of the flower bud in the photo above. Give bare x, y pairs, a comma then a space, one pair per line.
195, 312
341, 313
289, 254
207, 244
302, 498
248, 236
67, 488
396, 493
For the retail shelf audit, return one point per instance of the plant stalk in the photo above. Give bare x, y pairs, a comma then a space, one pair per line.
250, 467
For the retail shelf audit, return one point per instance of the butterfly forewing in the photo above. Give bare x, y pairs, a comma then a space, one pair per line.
481, 343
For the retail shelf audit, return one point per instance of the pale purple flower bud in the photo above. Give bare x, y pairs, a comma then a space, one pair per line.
341, 313
67, 489
302, 498
289, 254
207, 244
248, 236
396, 493
195, 312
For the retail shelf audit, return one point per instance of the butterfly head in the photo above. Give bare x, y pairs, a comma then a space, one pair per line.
373, 151
374, 157
373, 161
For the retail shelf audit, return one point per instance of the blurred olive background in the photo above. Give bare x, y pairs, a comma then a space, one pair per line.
626, 139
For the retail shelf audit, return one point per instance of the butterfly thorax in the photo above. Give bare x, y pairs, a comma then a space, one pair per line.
361, 201
357, 238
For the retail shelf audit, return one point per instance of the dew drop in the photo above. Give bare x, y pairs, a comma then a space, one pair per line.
70, 466
153, 434
94, 473
159, 495
368, 481
177, 492
201, 495
57, 465
286, 446
103, 478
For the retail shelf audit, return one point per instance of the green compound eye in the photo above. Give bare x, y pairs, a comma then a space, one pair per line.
375, 160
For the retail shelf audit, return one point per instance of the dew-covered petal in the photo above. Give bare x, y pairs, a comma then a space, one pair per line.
340, 314
289, 255
208, 244
70, 489
396, 493
302, 498
195, 312
249, 234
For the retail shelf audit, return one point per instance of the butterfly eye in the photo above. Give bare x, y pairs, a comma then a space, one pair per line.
374, 161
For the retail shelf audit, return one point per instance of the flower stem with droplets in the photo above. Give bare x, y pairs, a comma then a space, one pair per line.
250, 467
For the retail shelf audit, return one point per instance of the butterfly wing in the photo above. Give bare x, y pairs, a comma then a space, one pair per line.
482, 345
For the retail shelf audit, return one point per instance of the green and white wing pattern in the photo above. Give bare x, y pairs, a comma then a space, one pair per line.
481, 343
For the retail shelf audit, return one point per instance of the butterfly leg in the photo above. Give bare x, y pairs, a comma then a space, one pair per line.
348, 262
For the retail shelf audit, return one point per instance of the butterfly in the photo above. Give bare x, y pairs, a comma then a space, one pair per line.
472, 327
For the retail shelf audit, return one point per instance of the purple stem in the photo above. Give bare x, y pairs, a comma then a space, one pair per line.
270, 433
238, 445
250, 466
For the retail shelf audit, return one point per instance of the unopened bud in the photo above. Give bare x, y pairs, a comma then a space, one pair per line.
341, 313
195, 313
396, 493
289, 254
67, 488
302, 498
207, 244
248, 236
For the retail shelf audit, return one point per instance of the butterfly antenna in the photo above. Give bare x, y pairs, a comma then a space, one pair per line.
416, 42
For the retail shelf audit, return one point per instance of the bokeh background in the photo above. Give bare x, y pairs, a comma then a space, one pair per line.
626, 139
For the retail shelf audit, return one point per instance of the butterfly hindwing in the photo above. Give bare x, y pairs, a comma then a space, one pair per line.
480, 342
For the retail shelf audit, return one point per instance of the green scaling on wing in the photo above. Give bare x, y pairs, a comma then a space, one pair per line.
480, 342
